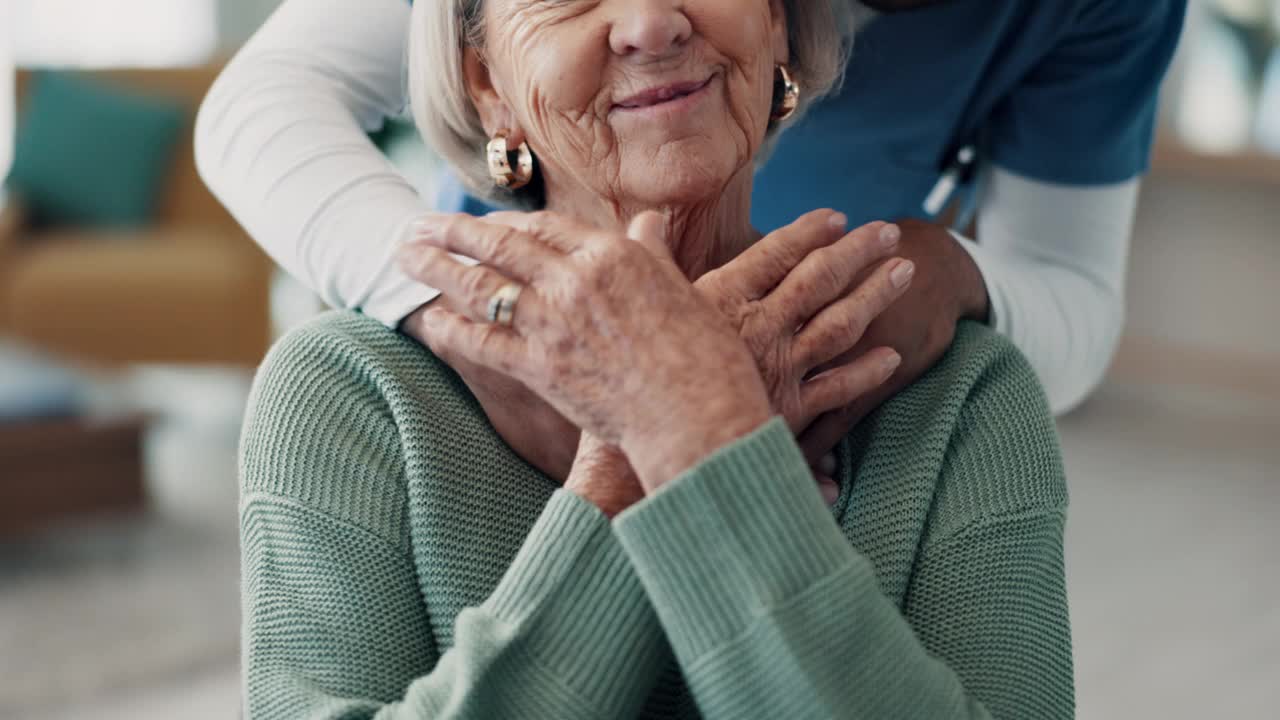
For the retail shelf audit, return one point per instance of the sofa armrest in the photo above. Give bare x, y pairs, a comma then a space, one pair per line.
13, 217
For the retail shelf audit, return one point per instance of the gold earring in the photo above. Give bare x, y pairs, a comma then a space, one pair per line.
500, 163
786, 95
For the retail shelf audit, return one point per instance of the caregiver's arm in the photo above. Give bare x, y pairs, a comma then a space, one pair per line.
772, 613
1069, 143
335, 625
281, 141
1053, 259
1047, 271
1052, 248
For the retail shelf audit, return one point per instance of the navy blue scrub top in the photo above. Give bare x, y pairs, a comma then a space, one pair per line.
1063, 91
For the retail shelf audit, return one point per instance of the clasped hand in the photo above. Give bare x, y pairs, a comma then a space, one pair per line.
611, 334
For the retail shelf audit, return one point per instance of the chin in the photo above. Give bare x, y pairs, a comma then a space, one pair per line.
683, 173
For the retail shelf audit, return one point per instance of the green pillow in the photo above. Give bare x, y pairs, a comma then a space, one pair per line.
88, 153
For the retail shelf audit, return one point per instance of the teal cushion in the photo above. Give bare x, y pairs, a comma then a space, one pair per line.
88, 153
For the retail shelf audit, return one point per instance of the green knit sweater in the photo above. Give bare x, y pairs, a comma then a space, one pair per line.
400, 561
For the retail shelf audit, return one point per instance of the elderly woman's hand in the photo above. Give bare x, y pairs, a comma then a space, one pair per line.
544, 438
794, 365
816, 370
603, 476
798, 277
920, 325
780, 284
537, 433
608, 331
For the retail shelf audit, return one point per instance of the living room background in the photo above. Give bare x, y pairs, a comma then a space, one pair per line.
134, 310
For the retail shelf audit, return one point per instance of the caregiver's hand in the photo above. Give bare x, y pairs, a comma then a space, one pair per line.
920, 326
608, 331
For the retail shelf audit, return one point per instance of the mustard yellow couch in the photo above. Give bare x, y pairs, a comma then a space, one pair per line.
189, 288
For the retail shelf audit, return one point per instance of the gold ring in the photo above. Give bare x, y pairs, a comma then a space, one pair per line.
502, 306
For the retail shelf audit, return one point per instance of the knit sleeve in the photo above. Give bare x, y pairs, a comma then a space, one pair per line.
335, 625
772, 613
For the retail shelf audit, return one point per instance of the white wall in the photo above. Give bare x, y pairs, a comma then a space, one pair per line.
111, 33
6, 97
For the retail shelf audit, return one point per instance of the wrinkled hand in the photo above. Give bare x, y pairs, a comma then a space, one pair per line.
595, 471
608, 331
602, 475
920, 326
531, 427
814, 256
789, 299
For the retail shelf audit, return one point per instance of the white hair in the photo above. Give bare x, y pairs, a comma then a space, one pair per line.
820, 34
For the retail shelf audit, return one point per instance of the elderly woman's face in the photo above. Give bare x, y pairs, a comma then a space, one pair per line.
641, 101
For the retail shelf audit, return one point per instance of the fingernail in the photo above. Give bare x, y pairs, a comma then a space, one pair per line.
891, 363
902, 274
838, 222
827, 465
890, 235
426, 226
422, 231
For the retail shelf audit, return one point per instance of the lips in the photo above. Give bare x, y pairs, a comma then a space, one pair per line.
662, 94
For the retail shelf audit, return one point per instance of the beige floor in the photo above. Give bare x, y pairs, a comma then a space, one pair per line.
1175, 470
1173, 570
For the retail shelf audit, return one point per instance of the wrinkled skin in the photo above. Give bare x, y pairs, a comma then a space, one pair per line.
554, 74
743, 291
668, 380
609, 330
919, 326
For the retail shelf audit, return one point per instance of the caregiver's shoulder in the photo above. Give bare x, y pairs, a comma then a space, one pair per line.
982, 417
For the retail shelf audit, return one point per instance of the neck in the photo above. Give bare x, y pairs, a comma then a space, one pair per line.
703, 234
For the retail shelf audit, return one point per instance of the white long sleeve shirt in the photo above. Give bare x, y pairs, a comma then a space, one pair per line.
281, 140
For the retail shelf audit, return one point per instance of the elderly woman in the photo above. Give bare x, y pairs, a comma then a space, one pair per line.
403, 559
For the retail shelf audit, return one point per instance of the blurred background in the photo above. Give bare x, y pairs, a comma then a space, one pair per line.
133, 311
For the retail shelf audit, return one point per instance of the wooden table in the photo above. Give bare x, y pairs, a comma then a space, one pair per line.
61, 468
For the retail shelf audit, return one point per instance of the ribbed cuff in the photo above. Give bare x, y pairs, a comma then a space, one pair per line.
393, 296
394, 309
736, 536
580, 609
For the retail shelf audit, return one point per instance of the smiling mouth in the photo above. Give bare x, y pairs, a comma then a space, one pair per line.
655, 97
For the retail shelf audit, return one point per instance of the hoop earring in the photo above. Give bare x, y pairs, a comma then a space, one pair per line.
786, 95
499, 158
